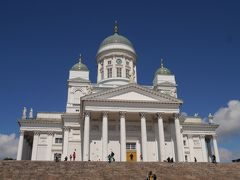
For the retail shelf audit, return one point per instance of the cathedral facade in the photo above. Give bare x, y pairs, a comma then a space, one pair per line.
116, 114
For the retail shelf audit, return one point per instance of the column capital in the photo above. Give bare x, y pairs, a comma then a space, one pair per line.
87, 113
105, 113
214, 136
36, 133
21, 132
122, 114
142, 114
202, 135
160, 115
176, 115
50, 133
66, 128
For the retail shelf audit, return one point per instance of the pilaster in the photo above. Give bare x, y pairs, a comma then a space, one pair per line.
178, 139
50, 141
20, 145
144, 136
65, 141
105, 136
204, 148
161, 137
215, 148
123, 135
35, 144
86, 136
191, 147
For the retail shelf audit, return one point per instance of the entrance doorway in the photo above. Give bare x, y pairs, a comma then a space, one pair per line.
131, 152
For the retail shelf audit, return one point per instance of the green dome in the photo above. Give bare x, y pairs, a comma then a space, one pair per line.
116, 38
163, 70
79, 66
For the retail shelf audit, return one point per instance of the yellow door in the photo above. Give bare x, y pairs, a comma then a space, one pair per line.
131, 156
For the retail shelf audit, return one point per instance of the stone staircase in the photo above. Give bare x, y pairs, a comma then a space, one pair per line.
48, 170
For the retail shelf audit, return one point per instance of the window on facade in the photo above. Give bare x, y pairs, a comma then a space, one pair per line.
127, 73
109, 72
58, 140
119, 72
109, 62
130, 145
184, 142
186, 159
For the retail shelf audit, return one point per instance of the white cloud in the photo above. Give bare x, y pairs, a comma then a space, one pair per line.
8, 145
229, 119
225, 155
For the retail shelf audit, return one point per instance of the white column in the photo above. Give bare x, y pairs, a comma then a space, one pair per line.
204, 148
178, 139
20, 146
50, 141
161, 138
86, 137
35, 144
191, 149
105, 136
209, 149
65, 142
123, 135
144, 136
215, 148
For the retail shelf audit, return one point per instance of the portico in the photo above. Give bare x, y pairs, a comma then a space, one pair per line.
119, 121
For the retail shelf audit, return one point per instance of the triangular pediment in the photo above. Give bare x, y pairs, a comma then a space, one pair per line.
133, 92
133, 96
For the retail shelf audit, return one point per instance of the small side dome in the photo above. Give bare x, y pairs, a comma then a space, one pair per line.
163, 70
79, 66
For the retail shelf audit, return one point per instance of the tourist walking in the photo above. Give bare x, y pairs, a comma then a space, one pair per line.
151, 176
74, 155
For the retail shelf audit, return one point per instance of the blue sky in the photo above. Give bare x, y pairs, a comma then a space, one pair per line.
41, 40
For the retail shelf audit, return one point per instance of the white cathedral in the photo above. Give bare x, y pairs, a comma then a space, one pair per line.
116, 114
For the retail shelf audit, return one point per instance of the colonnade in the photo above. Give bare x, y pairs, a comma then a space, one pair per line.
122, 120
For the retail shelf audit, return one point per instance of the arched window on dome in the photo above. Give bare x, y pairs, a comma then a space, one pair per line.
109, 72
119, 72
128, 73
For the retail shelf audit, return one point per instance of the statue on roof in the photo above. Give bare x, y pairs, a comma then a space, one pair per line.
24, 113
31, 113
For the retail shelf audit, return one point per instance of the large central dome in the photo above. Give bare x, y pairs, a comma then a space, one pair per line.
116, 41
116, 38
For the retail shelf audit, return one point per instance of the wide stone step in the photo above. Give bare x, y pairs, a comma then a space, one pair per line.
48, 170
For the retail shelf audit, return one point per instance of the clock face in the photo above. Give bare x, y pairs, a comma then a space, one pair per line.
119, 61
